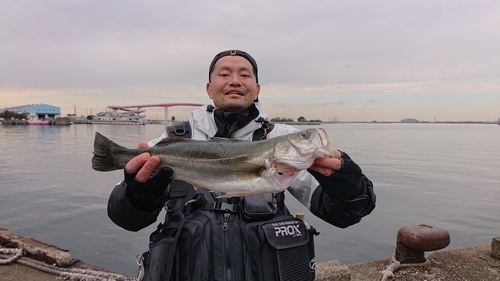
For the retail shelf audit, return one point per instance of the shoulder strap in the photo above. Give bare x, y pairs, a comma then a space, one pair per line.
261, 133
180, 192
183, 130
180, 130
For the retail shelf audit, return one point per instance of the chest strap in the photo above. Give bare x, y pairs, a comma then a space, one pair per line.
199, 201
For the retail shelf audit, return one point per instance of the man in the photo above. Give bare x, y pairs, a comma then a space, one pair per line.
334, 189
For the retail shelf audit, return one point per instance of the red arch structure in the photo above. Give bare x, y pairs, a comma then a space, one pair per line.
137, 109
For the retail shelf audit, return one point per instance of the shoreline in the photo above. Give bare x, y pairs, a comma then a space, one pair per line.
67, 121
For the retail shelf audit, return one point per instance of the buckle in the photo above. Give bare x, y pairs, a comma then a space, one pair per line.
169, 206
139, 259
180, 131
189, 206
223, 206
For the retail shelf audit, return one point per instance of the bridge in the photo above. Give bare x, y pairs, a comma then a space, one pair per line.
137, 109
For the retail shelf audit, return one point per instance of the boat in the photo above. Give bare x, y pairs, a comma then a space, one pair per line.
39, 122
34, 120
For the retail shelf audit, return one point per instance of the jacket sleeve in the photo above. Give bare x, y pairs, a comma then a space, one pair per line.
341, 210
124, 214
347, 211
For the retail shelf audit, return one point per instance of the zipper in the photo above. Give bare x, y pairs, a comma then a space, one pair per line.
227, 247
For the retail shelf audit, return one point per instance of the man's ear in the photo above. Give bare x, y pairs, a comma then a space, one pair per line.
258, 92
208, 88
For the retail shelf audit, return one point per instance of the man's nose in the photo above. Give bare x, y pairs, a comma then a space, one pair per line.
235, 80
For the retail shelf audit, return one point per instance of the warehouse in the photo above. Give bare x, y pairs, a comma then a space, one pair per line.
43, 111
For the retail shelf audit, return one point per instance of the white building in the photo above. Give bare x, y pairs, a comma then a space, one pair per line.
119, 117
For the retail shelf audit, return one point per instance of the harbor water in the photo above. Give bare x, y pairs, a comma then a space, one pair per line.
444, 175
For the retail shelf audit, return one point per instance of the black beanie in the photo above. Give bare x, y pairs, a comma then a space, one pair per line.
234, 53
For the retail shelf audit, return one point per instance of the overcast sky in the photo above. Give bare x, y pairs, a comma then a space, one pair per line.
328, 60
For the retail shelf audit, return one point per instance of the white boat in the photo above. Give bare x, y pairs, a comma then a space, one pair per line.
34, 120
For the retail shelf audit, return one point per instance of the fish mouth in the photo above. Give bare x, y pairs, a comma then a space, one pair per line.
282, 174
284, 169
304, 156
322, 141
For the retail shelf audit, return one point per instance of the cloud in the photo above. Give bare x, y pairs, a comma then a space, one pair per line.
98, 52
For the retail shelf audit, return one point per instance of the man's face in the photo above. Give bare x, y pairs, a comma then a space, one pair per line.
233, 87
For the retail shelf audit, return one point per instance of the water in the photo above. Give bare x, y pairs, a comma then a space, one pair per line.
444, 175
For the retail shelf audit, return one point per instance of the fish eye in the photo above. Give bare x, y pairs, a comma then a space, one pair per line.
303, 135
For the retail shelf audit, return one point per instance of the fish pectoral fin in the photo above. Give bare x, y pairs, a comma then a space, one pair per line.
235, 194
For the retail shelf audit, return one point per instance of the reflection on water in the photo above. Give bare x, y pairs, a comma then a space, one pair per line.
438, 174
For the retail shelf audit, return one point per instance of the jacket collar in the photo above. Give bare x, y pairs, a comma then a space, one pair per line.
204, 121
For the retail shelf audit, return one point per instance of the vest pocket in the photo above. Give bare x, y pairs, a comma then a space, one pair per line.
194, 252
278, 250
158, 261
258, 207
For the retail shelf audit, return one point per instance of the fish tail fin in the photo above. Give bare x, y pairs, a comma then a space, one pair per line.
103, 159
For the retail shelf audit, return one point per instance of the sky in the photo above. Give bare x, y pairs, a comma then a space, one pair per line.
327, 60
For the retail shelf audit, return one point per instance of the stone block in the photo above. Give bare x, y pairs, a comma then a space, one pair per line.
495, 247
35, 249
332, 270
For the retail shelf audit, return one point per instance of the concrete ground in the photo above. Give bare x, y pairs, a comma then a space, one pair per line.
16, 272
477, 263
458, 264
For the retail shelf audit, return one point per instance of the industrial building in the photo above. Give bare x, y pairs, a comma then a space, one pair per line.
43, 111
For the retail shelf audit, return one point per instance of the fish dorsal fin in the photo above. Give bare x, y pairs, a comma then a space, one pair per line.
168, 141
218, 139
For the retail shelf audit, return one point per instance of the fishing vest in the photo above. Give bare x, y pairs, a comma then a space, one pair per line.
251, 238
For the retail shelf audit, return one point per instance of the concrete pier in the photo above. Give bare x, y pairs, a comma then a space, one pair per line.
476, 263
116, 122
44, 262
13, 122
60, 121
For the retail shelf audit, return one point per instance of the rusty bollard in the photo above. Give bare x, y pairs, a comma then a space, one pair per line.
414, 240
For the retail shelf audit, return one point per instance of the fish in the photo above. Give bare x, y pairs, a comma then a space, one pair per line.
233, 167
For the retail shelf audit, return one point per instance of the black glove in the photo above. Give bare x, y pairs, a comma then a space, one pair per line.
343, 183
150, 191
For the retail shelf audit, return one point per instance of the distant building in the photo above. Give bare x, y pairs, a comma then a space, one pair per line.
116, 116
409, 120
43, 111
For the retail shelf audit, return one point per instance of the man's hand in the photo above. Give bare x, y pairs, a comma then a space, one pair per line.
145, 185
326, 166
142, 165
